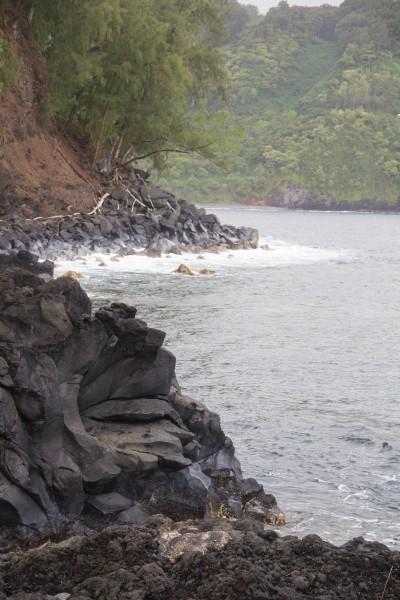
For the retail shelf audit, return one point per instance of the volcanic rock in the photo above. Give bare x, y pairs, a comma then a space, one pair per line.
215, 559
157, 224
92, 420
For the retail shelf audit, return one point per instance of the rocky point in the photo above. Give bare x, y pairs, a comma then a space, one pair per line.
130, 215
93, 424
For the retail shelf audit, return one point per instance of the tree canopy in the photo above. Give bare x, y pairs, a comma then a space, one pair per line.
132, 77
316, 91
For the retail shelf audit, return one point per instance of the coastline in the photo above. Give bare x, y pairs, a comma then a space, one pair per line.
131, 216
190, 559
215, 559
294, 197
96, 429
116, 485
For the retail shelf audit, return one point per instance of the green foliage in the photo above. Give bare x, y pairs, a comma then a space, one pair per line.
9, 65
237, 17
316, 92
342, 154
132, 77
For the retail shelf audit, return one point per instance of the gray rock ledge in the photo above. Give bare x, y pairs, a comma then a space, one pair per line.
92, 419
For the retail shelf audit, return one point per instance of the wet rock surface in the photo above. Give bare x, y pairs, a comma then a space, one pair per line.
200, 560
93, 425
130, 215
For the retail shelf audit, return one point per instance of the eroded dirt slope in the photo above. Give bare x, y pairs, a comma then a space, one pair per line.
41, 173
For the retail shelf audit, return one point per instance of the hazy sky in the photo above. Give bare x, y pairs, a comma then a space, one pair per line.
264, 5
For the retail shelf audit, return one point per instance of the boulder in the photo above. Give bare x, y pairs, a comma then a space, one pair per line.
160, 438
135, 515
178, 540
73, 274
185, 270
131, 377
139, 410
108, 504
207, 271
17, 507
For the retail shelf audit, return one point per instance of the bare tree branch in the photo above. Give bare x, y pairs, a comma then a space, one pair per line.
167, 150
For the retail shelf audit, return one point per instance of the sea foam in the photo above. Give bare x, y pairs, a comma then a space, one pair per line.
271, 253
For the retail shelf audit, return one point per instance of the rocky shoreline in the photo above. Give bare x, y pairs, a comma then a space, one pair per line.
294, 197
93, 425
114, 484
130, 216
216, 559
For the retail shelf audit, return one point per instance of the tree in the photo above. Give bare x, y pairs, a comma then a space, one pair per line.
131, 77
316, 92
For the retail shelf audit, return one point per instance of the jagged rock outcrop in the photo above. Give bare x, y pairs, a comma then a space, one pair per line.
93, 424
131, 214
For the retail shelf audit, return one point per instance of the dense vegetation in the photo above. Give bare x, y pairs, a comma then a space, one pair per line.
316, 93
313, 94
130, 77
9, 65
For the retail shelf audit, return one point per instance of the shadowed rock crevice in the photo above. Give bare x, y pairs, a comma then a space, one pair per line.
92, 420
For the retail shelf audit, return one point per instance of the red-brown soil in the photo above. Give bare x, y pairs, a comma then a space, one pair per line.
41, 172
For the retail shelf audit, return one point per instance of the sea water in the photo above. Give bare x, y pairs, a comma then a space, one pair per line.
296, 345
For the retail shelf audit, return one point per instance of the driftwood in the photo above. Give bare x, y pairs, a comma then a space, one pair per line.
99, 204
135, 199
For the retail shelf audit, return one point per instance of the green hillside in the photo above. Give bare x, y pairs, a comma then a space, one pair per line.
313, 103
127, 78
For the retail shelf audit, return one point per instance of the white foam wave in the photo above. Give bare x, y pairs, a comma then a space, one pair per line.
271, 253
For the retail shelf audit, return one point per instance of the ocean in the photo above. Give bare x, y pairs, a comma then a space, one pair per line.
296, 345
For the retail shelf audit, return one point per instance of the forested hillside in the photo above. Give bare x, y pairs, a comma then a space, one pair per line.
119, 80
315, 96
300, 107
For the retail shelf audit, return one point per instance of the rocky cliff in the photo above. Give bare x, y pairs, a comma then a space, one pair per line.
93, 425
131, 214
